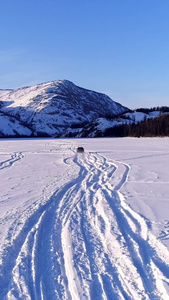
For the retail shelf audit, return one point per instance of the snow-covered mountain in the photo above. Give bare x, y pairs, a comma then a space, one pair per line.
98, 127
110, 125
50, 108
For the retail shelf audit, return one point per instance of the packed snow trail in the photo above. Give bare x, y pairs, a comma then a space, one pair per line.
86, 242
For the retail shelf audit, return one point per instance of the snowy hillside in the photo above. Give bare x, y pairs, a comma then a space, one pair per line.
48, 109
84, 226
100, 125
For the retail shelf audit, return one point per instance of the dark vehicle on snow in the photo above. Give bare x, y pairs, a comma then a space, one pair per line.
80, 149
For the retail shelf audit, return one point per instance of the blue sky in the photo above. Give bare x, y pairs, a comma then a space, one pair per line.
118, 47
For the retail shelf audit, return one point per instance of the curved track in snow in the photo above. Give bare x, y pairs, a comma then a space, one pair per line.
86, 243
14, 157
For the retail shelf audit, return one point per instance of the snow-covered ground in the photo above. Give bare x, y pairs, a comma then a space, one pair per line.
84, 226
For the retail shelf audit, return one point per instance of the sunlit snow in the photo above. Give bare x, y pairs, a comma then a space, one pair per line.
90, 225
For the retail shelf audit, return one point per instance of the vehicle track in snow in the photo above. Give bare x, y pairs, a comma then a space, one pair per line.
86, 242
14, 157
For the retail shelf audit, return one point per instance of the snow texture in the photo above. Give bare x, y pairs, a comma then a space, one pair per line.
90, 225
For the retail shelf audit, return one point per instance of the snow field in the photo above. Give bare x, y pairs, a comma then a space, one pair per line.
74, 226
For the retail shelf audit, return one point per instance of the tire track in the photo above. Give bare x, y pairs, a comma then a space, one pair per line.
16, 156
140, 263
86, 242
24, 273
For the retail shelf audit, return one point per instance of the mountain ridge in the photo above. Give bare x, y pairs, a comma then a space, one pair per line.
47, 109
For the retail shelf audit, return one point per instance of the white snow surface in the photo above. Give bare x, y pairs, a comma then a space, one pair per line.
84, 226
140, 116
104, 123
9, 126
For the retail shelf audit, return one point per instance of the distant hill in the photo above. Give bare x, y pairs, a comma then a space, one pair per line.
51, 109
140, 122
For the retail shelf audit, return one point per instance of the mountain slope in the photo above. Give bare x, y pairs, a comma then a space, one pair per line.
154, 123
49, 108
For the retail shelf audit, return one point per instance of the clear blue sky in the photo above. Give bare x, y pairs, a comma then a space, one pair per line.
118, 47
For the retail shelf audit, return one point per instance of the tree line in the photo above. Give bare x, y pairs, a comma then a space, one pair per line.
162, 109
158, 126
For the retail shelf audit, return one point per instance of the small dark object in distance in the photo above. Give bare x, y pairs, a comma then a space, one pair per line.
80, 149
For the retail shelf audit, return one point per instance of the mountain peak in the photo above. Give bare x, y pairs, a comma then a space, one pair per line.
49, 108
